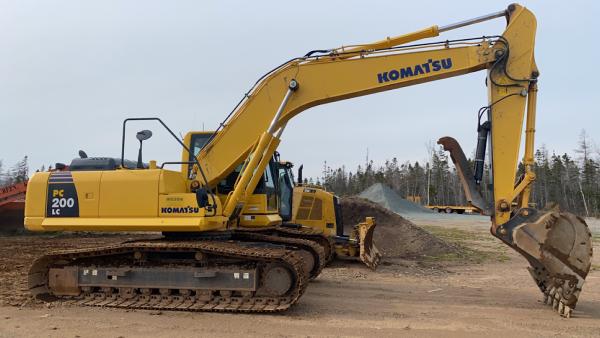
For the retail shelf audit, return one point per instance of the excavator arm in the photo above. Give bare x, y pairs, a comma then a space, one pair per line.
253, 129
557, 246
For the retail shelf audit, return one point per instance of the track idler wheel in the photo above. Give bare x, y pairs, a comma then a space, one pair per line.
277, 280
308, 261
559, 248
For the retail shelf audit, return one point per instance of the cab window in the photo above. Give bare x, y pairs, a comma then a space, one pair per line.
197, 142
286, 191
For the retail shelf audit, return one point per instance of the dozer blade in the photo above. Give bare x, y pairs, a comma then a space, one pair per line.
369, 254
558, 246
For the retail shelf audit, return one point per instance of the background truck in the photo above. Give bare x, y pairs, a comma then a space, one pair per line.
454, 209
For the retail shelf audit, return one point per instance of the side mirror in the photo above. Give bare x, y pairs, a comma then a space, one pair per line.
202, 198
82, 154
142, 136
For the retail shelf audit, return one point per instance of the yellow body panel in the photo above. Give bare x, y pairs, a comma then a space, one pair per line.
314, 207
88, 192
179, 204
255, 204
35, 199
129, 193
257, 221
256, 213
126, 224
171, 182
121, 200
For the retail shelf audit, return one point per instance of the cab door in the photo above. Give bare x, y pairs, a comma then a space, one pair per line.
286, 192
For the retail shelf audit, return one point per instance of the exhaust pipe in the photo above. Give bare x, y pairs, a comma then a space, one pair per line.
300, 174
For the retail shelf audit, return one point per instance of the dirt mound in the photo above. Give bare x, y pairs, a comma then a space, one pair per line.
388, 198
394, 236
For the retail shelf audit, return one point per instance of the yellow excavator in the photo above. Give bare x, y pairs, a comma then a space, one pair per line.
224, 247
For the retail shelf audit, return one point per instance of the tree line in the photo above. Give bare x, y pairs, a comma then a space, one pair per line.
570, 181
19, 172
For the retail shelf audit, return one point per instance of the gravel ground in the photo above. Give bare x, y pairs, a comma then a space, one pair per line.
404, 297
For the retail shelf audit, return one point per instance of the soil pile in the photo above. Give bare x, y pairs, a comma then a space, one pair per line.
394, 235
388, 198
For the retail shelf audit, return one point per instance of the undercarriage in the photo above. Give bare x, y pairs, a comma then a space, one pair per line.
249, 271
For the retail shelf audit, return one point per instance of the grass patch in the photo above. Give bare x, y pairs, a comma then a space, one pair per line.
465, 253
453, 235
595, 267
596, 238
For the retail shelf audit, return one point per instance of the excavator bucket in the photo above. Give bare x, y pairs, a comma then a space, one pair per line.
558, 246
369, 254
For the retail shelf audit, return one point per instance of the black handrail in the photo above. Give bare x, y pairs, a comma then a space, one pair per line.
177, 162
205, 185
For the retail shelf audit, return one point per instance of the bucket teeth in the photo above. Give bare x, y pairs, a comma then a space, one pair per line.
552, 292
567, 312
559, 249
559, 298
556, 301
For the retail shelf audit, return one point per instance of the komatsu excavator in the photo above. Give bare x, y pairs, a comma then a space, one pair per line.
224, 248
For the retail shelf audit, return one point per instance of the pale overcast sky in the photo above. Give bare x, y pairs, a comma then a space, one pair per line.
71, 71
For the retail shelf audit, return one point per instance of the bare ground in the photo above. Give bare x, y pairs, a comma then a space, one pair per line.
484, 291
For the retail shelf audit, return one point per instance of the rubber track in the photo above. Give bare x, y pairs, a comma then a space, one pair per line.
38, 277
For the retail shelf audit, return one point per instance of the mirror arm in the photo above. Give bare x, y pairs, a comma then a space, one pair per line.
140, 163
